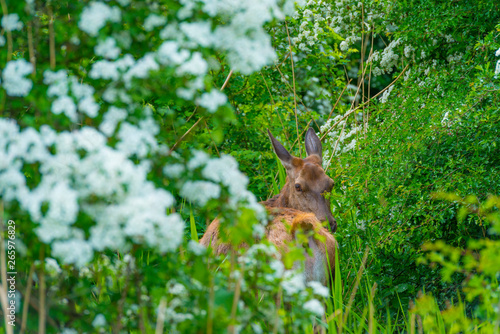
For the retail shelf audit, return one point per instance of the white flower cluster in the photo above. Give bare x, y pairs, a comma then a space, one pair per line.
497, 67
134, 211
385, 95
107, 48
243, 38
387, 59
95, 16
219, 172
59, 86
212, 100
11, 22
14, 81
345, 139
315, 307
153, 21
311, 24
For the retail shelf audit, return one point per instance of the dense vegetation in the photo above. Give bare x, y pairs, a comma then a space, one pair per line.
127, 126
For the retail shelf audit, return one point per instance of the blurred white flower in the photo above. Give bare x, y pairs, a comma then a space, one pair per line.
11, 22
107, 48
14, 81
344, 46
212, 100
314, 306
99, 321
64, 104
95, 16
319, 289
153, 21
200, 192
111, 119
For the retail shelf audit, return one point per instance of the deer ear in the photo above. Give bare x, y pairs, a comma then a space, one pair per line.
281, 152
313, 144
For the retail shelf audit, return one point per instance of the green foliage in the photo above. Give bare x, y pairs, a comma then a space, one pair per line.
407, 196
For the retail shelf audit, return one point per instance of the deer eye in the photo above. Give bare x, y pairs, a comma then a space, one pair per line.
298, 187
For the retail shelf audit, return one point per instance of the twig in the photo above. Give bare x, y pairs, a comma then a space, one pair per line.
52, 40
294, 90
184, 135
272, 101
198, 121
9, 33
27, 298
236, 298
160, 319
360, 106
41, 293
227, 80
31, 49
211, 305
338, 100
213, 141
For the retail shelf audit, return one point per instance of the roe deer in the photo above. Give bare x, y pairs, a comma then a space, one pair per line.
299, 206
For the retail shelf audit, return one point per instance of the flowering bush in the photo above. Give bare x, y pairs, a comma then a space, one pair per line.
127, 126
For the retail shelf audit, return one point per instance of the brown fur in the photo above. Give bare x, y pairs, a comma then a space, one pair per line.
293, 211
281, 230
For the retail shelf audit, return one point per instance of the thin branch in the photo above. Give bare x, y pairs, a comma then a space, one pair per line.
27, 299
31, 49
184, 135
294, 90
360, 106
272, 101
161, 316
9, 33
227, 80
200, 119
52, 40
41, 293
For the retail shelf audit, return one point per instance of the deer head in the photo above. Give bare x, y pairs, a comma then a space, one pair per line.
306, 181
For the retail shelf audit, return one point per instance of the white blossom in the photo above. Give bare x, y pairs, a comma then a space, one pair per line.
200, 192
212, 100
314, 306
385, 95
141, 69
173, 171
138, 140
64, 104
319, 289
52, 267
88, 106
99, 321
14, 81
196, 248
344, 46
196, 65
111, 119
293, 282
153, 21
169, 53
74, 251
95, 16
11, 22
107, 48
